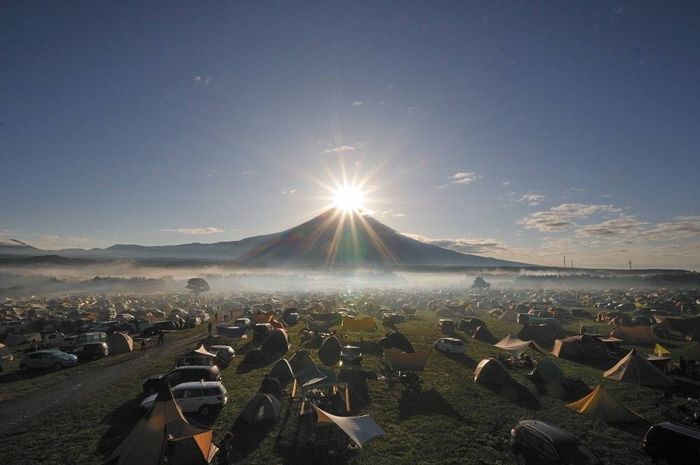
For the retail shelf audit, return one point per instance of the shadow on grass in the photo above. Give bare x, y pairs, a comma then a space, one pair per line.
359, 392
462, 359
246, 437
569, 391
19, 375
428, 402
516, 393
121, 421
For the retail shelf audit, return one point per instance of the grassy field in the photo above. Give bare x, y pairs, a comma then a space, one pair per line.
452, 420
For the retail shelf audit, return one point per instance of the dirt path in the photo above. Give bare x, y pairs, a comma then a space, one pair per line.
16, 412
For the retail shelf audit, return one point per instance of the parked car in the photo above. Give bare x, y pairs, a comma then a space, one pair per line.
672, 443
159, 326
90, 351
392, 318
199, 396
450, 345
52, 339
539, 443
242, 322
47, 359
85, 338
181, 375
446, 325
192, 322
223, 353
351, 355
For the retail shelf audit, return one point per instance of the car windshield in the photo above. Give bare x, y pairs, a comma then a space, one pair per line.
577, 454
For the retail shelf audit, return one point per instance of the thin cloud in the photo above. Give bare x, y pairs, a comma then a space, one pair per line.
202, 80
289, 192
357, 103
532, 198
562, 217
464, 245
195, 231
248, 173
464, 177
505, 183
341, 149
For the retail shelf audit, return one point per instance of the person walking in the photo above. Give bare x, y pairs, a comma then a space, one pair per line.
161, 337
143, 346
209, 326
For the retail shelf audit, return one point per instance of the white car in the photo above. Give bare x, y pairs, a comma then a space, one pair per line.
450, 345
198, 396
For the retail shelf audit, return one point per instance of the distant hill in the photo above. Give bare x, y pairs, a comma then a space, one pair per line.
331, 239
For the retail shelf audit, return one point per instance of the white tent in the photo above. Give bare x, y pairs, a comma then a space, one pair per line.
359, 429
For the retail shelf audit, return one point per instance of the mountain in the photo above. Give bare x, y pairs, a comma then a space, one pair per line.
331, 239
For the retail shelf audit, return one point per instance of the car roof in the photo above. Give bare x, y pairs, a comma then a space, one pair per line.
450, 339
552, 432
195, 367
678, 428
197, 384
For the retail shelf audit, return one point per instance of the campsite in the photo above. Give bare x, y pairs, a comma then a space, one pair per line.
411, 400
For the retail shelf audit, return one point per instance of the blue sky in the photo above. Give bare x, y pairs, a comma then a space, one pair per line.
512, 130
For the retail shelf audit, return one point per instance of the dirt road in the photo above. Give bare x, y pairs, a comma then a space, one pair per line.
18, 411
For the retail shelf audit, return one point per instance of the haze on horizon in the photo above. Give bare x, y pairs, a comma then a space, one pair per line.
512, 131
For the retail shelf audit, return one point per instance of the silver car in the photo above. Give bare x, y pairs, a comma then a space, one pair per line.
47, 359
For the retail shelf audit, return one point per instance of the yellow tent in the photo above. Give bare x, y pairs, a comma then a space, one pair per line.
513, 344
602, 405
164, 436
363, 324
635, 369
397, 360
661, 351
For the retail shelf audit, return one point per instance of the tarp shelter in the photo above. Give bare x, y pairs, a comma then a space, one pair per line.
543, 335
397, 360
634, 334
396, 340
119, 343
263, 317
214, 341
362, 324
548, 371
164, 436
359, 429
513, 344
329, 352
636, 369
5, 352
276, 343
509, 315
661, 351
260, 408
602, 405
300, 360
491, 371
277, 324
483, 334
202, 350
283, 372
582, 347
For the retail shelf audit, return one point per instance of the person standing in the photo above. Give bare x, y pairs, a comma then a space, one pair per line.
161, 337
143, 345
209, 326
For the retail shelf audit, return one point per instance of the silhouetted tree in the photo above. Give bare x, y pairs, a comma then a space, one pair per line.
197, 286
480, 284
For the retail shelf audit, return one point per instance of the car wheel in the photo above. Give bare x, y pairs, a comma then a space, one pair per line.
521, 458
57, 366
205, 410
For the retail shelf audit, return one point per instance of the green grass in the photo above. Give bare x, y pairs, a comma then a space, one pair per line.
452, 421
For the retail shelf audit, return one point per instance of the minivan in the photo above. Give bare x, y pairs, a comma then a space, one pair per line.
672, 443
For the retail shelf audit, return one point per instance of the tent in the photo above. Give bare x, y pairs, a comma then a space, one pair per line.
300, 360
513, 344
276, 343
634, 334
396, 340
678, 324
283, 372
602, 405
260, 408
483, 334
202, 350
263, 317
254, 357
547, 371
359, 429
491, 371
5, 352
396, 360
271, 385
363, 324
470, 324
581, 347
692, 352
214, 341
543, 335
329, 352
661, 351
119, 343
635, 369
164, 436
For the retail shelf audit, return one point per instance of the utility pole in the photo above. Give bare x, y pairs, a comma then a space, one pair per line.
564, 261
630, 265
572, 263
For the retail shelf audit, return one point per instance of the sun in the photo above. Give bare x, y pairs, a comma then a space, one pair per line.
349, 198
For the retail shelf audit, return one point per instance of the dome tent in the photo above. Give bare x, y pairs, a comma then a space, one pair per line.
300, 360
547, 371
283, 372
260, 408
276, 343
483, 334
491, 371
119, 343
396, 340
635, 369
330, 350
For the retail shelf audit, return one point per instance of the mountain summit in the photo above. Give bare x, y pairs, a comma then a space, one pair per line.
334, 238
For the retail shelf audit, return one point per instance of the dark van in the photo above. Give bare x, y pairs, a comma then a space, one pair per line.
672, 443
183, 374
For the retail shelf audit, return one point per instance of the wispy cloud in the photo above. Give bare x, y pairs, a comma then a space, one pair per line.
289, 192
461, 177
562, 217
464, 245
341, 149
248, 173
195, 231
532, 198
357, 103
202, 80
505, 183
